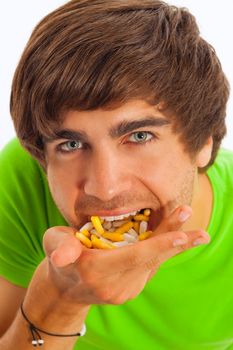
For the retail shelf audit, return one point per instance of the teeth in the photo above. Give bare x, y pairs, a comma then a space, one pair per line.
119, 217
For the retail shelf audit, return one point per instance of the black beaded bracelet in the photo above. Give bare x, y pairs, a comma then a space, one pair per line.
35, 331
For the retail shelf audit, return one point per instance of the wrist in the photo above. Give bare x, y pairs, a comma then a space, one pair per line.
38, 334
50, 308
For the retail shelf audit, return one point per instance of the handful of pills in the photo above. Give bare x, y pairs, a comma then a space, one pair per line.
105, 234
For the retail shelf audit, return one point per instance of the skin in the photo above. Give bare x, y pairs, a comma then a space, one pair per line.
106, 178
106, 175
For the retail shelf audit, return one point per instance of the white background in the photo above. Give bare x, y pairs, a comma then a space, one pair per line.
18, 18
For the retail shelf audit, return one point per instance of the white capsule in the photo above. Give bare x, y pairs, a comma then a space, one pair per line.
88, 226
133, 233
143, 227
129, 238
105, 240
120, 244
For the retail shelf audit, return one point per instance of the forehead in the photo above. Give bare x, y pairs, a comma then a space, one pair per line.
132, 110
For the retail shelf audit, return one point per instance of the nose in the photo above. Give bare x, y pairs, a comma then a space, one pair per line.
106, 176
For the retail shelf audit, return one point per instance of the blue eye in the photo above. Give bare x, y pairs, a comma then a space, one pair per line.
141, 136
69, 146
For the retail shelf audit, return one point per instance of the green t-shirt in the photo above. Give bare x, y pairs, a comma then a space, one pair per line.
187, 305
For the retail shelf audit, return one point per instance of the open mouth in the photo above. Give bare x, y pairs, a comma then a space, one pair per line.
108, 232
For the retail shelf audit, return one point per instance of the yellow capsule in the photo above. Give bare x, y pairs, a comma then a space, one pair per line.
144, 235
113, 236
147, 212
83, 239
97, 224
136, 226
97, 243
86, 233
93, 237
124, 228
141, 217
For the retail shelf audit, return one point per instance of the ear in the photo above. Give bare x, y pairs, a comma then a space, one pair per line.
204, 155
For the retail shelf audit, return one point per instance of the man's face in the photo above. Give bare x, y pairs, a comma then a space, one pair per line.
111, 162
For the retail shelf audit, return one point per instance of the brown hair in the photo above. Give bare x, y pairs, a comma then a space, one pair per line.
91, 54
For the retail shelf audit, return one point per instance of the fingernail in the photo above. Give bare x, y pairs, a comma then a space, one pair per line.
179, 241
184, 215
199, 241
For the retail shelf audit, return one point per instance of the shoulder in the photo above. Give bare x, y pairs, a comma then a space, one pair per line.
23, 185
221, 170
14, 156
18, 167
27, 210
224, 160
23, 218
24, 190
224, 157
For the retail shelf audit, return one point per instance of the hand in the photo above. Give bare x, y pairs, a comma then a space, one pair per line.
92, 276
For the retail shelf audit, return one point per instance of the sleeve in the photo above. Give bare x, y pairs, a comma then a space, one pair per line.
23, 215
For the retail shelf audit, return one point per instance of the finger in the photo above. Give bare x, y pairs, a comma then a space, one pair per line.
167, 245
61, 246
195, 238
149, 253
175, 220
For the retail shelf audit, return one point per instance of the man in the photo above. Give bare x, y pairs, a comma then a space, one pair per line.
121, 106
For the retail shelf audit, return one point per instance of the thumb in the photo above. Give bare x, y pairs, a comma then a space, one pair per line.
61, 246
175, 220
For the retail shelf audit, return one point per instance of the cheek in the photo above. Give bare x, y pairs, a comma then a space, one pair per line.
167, 177
62, 187
158, 171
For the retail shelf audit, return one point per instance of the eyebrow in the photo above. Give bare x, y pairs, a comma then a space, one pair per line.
116, 131
124, 127
67, 134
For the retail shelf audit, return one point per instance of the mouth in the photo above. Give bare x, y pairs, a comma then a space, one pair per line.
111, 221
115, 231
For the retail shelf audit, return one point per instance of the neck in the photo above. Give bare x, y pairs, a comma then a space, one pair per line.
201, 204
